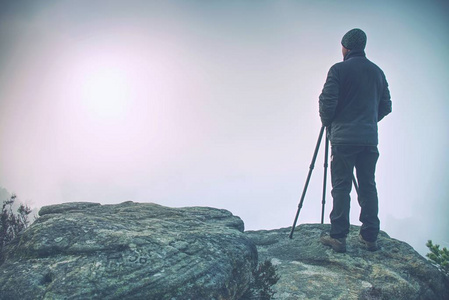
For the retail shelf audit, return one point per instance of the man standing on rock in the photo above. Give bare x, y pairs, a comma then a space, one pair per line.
354, 98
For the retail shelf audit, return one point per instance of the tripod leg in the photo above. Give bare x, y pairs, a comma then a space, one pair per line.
356, 186
312, 165
326, 155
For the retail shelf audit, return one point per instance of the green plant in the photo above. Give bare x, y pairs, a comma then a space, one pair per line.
11, 224
264, 277
439, 257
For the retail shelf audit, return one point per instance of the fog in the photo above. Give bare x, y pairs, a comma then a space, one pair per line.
215, 103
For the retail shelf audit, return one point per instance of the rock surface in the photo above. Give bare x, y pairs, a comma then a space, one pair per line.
147, 251
129, 251
310, 270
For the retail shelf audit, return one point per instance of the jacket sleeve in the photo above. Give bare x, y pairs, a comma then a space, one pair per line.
328, 99
385, 105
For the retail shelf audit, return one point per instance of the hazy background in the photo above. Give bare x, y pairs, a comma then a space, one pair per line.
215, 103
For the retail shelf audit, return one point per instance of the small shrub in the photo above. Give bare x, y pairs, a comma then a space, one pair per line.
11, 224
264, 277
439, 257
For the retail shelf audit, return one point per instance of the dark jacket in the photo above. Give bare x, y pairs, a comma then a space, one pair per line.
354, 98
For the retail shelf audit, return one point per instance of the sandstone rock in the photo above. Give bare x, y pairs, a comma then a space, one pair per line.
128, 251
147, 251
310, 270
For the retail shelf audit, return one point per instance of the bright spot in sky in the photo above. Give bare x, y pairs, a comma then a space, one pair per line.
105, 91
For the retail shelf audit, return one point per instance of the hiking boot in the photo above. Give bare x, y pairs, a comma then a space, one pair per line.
338, 245
370, 246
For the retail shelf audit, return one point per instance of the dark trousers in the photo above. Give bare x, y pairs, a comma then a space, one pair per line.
344, 159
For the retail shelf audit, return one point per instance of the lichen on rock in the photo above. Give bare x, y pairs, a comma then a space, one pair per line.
148, 251
129, 251
309, 270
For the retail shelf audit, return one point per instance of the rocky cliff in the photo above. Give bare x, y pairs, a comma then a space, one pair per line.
129, 251
147, 251
310, 270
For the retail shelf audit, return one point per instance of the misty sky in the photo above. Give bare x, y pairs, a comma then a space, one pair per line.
215, 103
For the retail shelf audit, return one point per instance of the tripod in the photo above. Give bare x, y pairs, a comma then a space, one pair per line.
312, 165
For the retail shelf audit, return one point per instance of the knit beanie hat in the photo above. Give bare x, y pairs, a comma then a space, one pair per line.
354, 39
